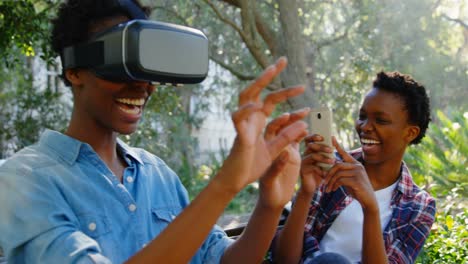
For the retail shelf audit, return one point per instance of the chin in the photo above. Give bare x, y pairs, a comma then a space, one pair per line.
126, 130
371, 160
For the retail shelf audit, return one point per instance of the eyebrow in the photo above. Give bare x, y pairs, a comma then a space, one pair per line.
379, 113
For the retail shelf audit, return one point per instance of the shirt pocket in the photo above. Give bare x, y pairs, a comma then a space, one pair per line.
162, 216
94, 225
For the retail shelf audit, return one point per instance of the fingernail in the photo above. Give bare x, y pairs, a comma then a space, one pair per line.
305, 109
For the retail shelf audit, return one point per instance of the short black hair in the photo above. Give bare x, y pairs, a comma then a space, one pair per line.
414, 96
75, 18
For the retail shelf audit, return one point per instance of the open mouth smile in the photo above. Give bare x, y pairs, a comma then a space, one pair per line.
369, 141
131, 106
370, 146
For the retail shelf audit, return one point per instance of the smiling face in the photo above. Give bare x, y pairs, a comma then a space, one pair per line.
103, 106
383, 127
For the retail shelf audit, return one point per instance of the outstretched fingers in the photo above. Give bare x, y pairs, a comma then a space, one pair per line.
276, 125
243, 113
293, 133
299, 114
274, 98
252, 93
284, 120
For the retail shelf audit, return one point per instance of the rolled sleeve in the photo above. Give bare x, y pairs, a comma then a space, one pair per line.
69, 247
214, 247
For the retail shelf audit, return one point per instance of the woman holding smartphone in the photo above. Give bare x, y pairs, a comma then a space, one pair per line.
366, 208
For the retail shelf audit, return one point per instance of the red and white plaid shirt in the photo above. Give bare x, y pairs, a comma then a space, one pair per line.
413, 213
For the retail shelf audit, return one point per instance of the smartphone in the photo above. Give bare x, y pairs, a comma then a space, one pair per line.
321, 120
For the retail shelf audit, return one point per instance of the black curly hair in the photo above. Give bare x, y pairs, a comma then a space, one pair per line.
76, 18
414, 95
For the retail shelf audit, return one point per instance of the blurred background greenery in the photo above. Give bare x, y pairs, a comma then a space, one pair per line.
335, 47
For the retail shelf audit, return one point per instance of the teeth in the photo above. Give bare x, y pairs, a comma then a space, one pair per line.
137, 102
369, 141
132, 111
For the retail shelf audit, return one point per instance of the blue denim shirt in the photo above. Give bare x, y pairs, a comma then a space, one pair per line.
61, 204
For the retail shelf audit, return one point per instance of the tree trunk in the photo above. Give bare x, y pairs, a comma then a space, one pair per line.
293, 48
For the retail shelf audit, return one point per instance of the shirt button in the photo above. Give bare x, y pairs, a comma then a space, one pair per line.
92, 226
132, 207
129, 179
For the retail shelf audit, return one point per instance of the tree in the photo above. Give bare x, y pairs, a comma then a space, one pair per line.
335, 47
25, 29
26, 108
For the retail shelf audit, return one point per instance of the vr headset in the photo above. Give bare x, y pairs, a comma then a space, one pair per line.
143, 50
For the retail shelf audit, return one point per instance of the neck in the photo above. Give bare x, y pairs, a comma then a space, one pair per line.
384, 174
103, 141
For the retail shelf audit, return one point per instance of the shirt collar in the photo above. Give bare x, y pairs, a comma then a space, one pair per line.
69, 149
405, 181
127, 151
405, 184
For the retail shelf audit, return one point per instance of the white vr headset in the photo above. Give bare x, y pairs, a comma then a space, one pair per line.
143, 50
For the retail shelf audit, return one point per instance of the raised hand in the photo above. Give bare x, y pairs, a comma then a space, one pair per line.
351, 174
277, 185
252, 154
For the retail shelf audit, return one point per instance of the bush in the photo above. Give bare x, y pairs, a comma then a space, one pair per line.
448, 242
439, 165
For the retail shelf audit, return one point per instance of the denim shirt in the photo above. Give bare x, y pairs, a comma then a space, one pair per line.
60, 203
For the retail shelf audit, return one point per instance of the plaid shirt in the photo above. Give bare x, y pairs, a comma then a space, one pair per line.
413, 212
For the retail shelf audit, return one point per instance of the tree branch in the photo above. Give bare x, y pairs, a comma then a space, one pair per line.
226, 20
232, 70
327, 42
268, 34
256, 51
172, 12
232, 2
456, 20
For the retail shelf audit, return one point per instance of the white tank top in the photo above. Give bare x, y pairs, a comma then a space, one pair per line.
345, 234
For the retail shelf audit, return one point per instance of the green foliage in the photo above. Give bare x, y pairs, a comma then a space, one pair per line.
26, 109
25, 28
412, 37
347, 44
448, 241
244, 201
440, 163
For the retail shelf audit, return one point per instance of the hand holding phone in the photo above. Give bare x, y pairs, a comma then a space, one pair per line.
321, 123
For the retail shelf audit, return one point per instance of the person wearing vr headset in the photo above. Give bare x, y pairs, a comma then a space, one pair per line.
84, 196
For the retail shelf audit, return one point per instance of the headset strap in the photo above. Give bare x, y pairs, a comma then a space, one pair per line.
133, 10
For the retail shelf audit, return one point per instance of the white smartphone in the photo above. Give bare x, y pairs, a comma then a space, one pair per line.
321, 120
